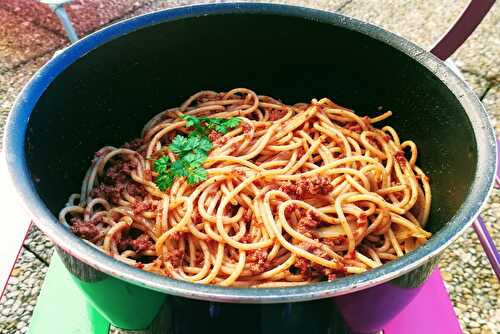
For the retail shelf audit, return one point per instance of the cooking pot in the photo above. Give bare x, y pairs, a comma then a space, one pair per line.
102, 89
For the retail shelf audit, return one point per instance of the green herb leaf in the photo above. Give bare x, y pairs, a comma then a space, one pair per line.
198, 133
191, 144
194, 159
178, 145
212, 120
221, 125
161, 164
191, 151
233, 122
192, 121
197, 175
164, 181
179, 168
205, 144
221, 128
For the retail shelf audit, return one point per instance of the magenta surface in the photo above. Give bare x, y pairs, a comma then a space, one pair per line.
497, 178
431, 312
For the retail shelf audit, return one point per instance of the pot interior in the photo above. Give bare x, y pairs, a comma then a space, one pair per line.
106, 96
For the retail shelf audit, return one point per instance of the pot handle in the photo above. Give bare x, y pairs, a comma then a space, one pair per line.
463, 27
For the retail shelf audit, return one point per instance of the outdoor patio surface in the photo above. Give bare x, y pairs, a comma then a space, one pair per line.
30, 34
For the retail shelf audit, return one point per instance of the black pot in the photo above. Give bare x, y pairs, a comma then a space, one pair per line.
101, 90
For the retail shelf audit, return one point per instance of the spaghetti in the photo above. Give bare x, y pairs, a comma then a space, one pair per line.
292, 195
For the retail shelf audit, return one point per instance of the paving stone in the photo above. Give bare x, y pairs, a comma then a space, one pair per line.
481, 52
14, 304
86, 15
331, 5
39, 243
21, 40
476, 82
422, 22
472, 285
491, 102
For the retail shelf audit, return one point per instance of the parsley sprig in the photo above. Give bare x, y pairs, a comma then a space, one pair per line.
191, 151
221, 125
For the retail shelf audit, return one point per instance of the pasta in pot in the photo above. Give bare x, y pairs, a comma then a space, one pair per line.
242, 190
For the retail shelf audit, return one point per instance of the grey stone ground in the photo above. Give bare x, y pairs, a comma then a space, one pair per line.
471, 283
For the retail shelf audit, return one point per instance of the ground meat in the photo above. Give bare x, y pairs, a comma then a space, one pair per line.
217, 138
258, 255
139, 245
300, 106
339, 155
110, 193
102, 152
362, 220
289, 209
237, 173
143, 151
136, 190
355, 128
330, 274
257, 260
231, 210
170, 136
312, 248
247, 129
311, 270
302, 265
221, 141
306, 226
300, 153
113, 184
175, 257
140, 207
134, 144
196, 218
373, 142
308, 221
334, 242
148, 175
142, 243
308, 187
350, 255
235, 146
399, 195
400, 158
276, 114
85, 230
177, 236
246, 239
214, 136
247, 217
199, 258
120, 172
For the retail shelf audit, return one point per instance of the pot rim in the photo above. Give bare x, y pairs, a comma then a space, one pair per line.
19, 174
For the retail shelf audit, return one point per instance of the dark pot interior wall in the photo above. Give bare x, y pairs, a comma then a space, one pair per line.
107, 96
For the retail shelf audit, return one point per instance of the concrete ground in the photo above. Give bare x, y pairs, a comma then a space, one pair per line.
29, 35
